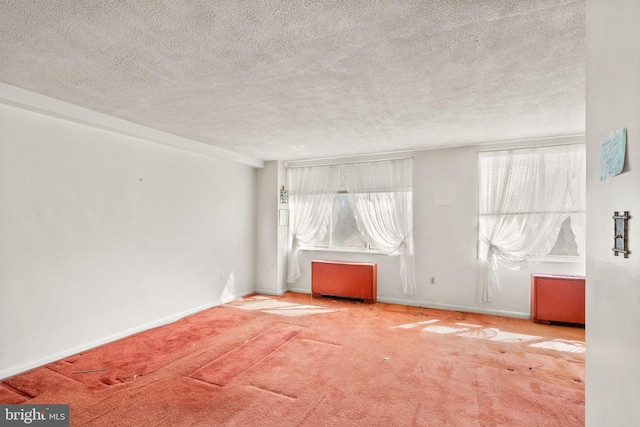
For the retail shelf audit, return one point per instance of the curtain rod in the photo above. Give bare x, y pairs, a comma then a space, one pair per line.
534, 213
510, 147
337, 162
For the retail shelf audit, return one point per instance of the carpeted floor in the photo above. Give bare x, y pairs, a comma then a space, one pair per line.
298, 361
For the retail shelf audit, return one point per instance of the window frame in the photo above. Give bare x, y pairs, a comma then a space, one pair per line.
580, 258
329, 232
370, 249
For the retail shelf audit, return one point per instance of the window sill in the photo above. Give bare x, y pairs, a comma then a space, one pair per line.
349, 250
562, 259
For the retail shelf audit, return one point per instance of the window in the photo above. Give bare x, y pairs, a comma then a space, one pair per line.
566, 244
342, 231
374, 208
532, 202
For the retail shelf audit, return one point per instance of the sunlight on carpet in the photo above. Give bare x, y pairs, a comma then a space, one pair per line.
495, 334
468, 330
415, 325
562, 345
281, 308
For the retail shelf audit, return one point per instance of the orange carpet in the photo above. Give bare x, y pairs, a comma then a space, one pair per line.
227, 367
298, 361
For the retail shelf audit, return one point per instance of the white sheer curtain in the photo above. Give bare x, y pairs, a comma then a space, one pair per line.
380, 193
311, 192
525, 195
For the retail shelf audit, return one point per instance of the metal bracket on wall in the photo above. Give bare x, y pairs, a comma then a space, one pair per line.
620, 233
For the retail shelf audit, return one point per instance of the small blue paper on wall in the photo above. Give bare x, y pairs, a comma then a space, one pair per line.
612, 152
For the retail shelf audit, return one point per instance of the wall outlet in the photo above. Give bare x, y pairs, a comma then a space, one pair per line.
432, 281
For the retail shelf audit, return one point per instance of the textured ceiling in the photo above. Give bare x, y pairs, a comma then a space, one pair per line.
292, 80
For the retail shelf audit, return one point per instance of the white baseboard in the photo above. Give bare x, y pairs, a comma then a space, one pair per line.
23, 367
270, 292
300, 290
479, 310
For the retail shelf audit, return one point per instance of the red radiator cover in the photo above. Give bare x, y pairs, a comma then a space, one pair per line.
345, 279
556, 298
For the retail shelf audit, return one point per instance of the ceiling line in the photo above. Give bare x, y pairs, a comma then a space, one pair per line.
31, 101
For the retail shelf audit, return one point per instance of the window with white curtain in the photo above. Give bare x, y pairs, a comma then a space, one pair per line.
361, 206
342, 231
532, 204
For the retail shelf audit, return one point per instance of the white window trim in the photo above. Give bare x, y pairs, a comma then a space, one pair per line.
348, 250
532, 144
562, 259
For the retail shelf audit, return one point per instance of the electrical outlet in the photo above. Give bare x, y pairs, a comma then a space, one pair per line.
432, 281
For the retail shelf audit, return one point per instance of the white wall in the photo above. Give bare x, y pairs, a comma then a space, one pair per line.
270, 238
102, 235
445, 189
613, 283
